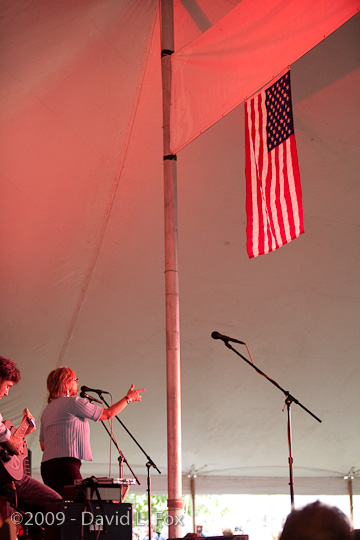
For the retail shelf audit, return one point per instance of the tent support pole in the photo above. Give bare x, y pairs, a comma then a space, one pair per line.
350, 489
192, 490
171, 284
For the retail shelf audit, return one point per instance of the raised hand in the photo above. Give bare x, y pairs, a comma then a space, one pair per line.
134, 394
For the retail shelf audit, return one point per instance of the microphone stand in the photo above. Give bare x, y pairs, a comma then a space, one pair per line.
289, 399
149, 464
121, 457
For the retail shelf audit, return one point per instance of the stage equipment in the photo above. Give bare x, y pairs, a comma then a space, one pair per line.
150, 463
289, 399
88, 521
104, 489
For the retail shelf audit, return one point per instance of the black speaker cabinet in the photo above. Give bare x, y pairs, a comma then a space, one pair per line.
88, 520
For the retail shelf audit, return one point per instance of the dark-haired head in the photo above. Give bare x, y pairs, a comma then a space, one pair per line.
317, 521
9, 370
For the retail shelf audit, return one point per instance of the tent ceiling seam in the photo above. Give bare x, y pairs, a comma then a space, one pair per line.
113, 194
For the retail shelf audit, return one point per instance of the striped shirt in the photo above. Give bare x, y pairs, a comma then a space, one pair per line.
65, 430
4, 431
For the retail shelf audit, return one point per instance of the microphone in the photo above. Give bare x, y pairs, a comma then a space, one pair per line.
97, 390
90, 398
225, 339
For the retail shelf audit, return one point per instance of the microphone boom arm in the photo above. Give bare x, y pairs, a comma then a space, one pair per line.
285, 392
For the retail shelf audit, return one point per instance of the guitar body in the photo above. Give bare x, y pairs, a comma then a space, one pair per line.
13, 464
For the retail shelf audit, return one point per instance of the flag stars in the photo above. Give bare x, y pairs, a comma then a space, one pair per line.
279, 114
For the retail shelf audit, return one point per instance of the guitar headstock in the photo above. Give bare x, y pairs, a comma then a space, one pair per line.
28, 416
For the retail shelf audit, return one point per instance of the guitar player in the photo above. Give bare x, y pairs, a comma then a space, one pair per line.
31, 495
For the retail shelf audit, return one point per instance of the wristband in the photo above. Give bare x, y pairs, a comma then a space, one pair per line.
129, 400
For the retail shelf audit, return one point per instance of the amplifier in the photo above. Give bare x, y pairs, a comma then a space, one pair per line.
88, 520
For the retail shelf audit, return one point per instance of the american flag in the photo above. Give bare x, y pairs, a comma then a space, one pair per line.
273, 190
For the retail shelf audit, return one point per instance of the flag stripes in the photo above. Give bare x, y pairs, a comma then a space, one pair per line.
273, 190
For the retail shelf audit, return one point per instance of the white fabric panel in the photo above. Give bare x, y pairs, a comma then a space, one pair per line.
81, 247
242, 53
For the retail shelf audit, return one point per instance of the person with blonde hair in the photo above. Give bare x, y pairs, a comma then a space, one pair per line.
65, 430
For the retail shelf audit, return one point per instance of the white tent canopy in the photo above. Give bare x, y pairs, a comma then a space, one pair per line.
82, 265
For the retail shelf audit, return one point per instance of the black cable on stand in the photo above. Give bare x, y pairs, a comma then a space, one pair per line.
149, 463
288, 401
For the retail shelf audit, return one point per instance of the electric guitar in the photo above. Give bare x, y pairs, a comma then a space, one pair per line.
13, 463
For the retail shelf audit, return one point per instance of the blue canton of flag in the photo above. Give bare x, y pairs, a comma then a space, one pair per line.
280, 124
